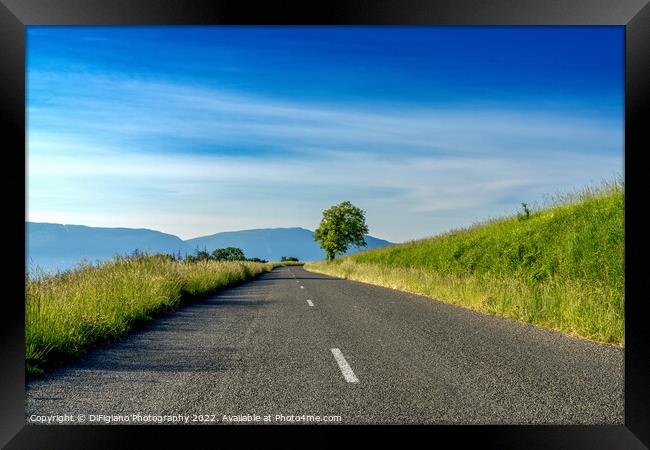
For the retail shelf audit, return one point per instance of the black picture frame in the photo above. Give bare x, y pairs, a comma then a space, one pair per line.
633, 14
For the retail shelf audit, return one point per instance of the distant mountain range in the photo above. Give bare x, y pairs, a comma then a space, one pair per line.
273, 243
53, 247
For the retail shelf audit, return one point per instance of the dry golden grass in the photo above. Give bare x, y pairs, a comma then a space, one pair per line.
567, 306
70, 312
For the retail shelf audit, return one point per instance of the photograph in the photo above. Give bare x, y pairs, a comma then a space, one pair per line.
290, 225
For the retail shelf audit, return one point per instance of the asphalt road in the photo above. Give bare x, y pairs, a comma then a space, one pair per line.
365, 353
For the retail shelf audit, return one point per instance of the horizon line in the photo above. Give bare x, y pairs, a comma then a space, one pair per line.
189, 239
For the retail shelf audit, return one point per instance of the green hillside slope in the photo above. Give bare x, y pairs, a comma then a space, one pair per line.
562, 267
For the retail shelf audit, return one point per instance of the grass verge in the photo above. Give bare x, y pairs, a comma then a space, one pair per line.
561, 268
68, 313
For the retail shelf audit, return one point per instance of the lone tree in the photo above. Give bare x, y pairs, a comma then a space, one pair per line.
342, 225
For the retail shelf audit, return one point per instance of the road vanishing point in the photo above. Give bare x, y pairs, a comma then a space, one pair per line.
292, 342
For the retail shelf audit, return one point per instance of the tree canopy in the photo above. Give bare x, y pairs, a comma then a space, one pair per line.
342, 225
228, 254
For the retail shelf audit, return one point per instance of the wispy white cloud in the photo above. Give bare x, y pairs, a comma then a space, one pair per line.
132, 152
139, 109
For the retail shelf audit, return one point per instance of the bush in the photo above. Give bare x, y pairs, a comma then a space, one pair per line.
228, 254
257, 260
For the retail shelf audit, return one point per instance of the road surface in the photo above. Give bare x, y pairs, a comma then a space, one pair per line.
293, 343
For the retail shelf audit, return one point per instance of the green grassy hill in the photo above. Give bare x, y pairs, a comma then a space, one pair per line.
562, 267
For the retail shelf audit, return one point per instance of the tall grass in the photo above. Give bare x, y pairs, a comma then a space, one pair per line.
67, 313
562, 268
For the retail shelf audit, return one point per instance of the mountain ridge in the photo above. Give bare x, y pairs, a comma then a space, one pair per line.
53, 246
273, 243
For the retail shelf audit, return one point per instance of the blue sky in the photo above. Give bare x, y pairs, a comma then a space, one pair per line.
197, 130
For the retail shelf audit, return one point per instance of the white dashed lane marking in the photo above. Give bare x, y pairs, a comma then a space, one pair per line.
348, 374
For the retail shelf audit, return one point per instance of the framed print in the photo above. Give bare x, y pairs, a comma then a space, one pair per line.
421, 217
